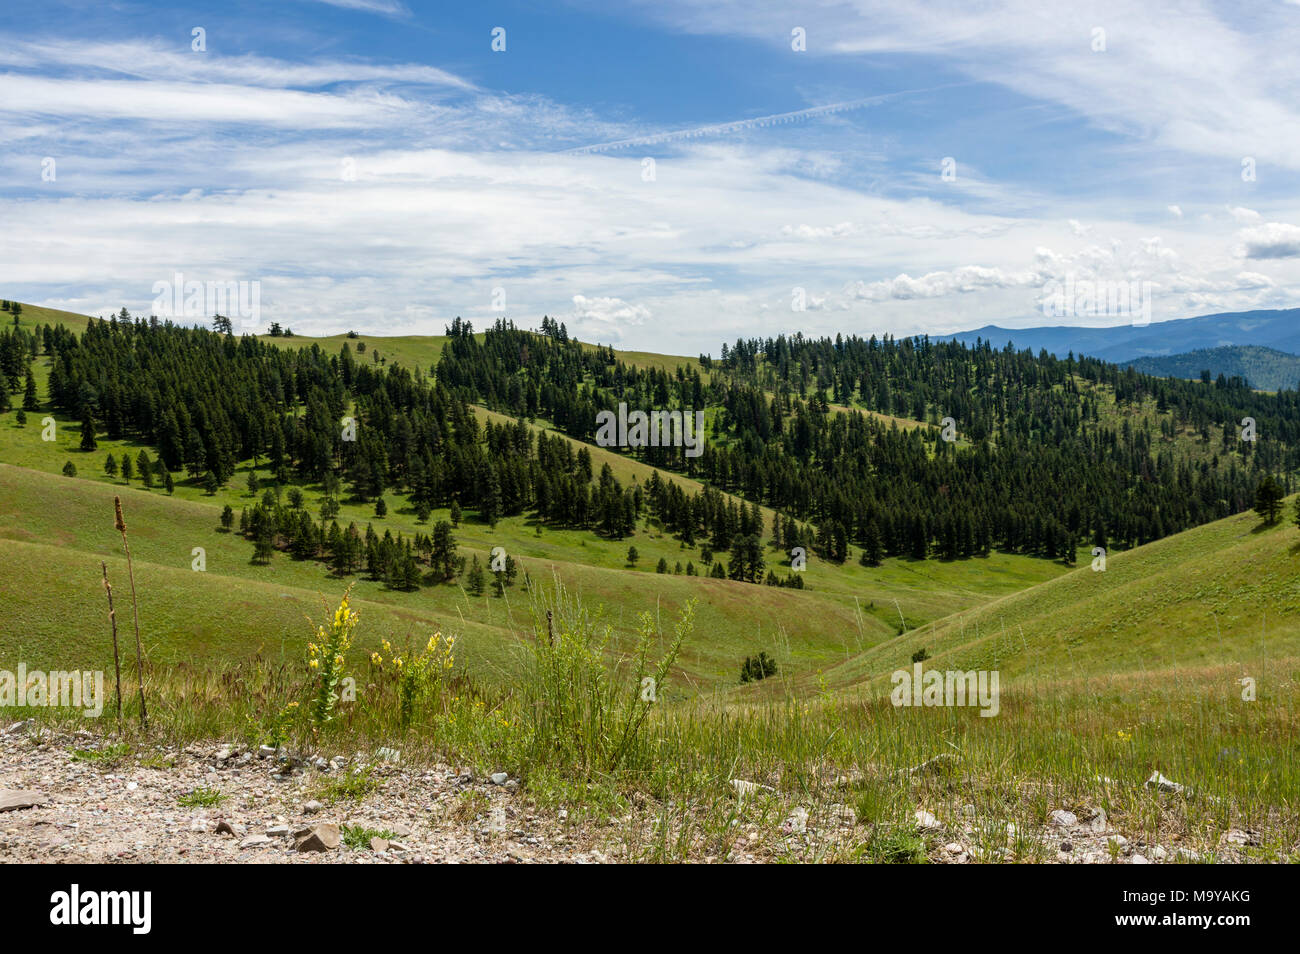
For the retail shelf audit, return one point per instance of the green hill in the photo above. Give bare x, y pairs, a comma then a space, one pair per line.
1264, 368
1226, 594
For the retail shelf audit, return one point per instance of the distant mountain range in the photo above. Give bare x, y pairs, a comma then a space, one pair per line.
1278, 330
1265, 368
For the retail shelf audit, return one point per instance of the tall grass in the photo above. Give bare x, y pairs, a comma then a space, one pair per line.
581, 729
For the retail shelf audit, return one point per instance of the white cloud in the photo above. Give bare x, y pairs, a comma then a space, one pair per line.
1271, 240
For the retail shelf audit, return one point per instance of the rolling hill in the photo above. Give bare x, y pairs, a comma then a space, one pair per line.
1223, 595
1265, 368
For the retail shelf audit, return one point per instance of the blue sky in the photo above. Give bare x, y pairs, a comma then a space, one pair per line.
375, 164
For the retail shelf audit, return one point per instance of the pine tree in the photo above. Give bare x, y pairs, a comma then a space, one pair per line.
88, 442
30, 401
474, 578
1268, 499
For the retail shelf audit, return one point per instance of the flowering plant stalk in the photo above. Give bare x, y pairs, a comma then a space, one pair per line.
327, 658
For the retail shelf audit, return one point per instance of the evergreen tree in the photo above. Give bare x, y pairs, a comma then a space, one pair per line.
30, 401
474, 578
88, 430
1268, 499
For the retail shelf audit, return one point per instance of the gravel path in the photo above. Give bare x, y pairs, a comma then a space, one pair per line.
99, 812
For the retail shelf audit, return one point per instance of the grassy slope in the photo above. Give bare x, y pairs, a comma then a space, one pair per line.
1225, 594
843, 610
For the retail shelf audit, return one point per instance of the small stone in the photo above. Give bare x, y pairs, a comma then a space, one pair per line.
1158, 853
499, 778
266, 752
844, 815
399, 829
1159, 782
925, 821
1235, 836
224, 753
1063, 819
1066, 847
224, 828
255, 841
1139, 860
378, 845
796, 823
278, 831
322, 837
14, 799
1119, 841
954, 848
312, 807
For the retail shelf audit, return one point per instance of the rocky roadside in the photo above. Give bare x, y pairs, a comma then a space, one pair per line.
88, 808
75, 798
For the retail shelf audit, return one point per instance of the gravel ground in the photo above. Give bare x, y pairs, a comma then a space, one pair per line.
57, 806
96, 812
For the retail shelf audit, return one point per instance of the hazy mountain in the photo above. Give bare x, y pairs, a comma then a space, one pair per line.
1276, 329
1265, 368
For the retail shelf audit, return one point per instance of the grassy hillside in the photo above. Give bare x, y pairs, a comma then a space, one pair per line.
1223, 595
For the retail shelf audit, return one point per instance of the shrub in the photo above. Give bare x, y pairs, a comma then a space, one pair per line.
757, 667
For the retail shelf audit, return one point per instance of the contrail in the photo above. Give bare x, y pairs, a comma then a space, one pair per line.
775, 119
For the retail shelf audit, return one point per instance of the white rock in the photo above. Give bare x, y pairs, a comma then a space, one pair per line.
925, 821
312, 807
255, 841
499, 778
1158, 781
1063, 819
1138, 860
1158, 853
